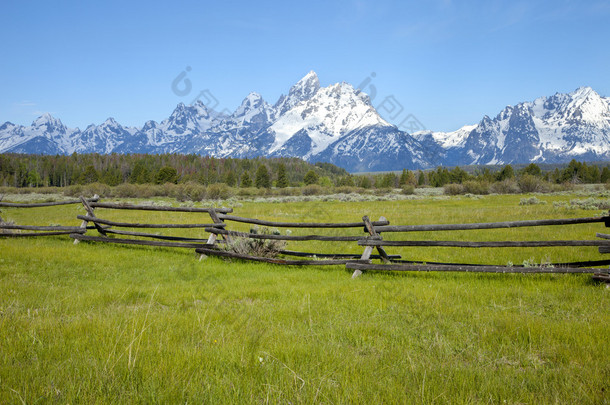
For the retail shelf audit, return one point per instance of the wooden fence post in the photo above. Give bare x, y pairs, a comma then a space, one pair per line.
367, 252
91, 214
213, 236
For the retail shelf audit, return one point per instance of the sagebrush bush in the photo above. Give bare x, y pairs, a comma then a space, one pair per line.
346, 190
531, 201
219, 191
453, 189
507, 186
190, 191
256, 247
532, 184
102, 190
408, 189
312, 189
476, 187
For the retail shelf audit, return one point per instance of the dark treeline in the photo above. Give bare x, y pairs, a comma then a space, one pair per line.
19, 170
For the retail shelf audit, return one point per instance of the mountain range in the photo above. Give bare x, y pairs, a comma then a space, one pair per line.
338, 124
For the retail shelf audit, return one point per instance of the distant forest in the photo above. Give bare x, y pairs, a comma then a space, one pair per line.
20, 170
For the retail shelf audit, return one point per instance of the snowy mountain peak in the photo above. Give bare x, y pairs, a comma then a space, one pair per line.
303, 90
110, 122
338, 124
48, 120
307, 86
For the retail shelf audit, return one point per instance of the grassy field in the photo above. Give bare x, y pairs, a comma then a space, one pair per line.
96, 323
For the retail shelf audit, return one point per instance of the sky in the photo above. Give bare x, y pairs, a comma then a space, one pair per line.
445, 62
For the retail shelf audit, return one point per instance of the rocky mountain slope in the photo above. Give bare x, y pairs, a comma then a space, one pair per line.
338, 124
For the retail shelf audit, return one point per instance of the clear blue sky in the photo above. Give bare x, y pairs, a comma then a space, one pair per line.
447, 62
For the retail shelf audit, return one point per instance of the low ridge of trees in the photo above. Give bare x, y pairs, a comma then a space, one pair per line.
18, 170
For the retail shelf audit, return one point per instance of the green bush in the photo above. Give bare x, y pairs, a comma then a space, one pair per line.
531, 184
505, 187
408, 189
453, 189
103, 190
219, 191
312, 189
476, 187
190, 191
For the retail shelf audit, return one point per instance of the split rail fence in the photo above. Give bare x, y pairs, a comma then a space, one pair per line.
112, 231
11, 230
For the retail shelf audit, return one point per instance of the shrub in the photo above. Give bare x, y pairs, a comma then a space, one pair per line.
190, 192
476, 187
591, 204
505, 187
73, 191
408, 189
311, 189
256, 247
531, 201
453, 189
219, 191
532, 184
103, 190
345, 190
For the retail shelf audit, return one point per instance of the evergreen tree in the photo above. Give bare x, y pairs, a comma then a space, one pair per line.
246, 181
404, 177
311, 177
605, 176
262, 177
533, 169
421, 179
166, 174
282, 180
230, 179
507, 172
90, 175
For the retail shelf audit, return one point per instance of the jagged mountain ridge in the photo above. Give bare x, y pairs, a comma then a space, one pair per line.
549, 129
338, 124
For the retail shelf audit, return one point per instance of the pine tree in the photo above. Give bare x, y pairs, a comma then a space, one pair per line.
166, 174
311, 177
422, 178
404, 177
282, 180
246, 181
230, 179
262, 177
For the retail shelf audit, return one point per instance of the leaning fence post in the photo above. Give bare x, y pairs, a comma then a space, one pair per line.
368, 226
212, 238
92, 214
371, 229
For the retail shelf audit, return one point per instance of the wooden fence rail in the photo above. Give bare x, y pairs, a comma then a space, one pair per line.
161, 240
39, 230
370, 240
375, 240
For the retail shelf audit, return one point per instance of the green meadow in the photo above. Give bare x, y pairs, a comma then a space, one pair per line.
105, 323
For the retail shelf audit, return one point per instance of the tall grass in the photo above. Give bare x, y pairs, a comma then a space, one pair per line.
96, 323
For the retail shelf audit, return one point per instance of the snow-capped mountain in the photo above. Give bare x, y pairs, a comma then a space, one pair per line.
338, 124
548, 129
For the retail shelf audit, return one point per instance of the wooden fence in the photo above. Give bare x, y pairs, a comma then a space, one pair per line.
10, 230
376, 241
107, 227
111, 231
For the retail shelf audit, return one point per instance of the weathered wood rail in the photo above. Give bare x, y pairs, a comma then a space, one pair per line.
113, 231
7, 228
160, 240
375, 240
317, 259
